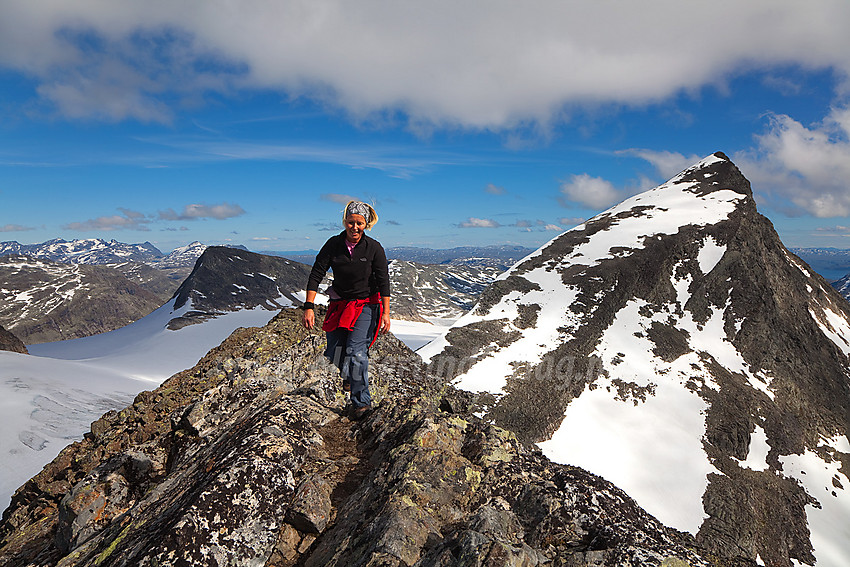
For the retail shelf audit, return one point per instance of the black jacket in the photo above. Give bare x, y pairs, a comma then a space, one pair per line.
357, 276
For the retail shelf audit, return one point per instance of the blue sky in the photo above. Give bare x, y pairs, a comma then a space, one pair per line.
252, 122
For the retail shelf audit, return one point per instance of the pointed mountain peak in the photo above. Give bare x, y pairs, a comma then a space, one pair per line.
674, 346
714, 173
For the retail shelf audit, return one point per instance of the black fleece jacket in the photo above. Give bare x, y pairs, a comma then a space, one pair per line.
356, 276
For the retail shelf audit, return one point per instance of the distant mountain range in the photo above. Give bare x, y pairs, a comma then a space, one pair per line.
438, 291
831, 263
42, 304
63, 289
500, 256
97, 251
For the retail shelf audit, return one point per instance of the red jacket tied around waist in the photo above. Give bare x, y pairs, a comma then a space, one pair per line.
342, 314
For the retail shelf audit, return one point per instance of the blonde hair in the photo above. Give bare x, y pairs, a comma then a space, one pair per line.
373, 216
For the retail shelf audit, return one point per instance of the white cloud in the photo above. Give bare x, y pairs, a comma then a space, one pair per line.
594, 192
571, 221
495, 189
198, 211
440, 62
473, 222
15, 228
129, 220
668, 164
806, 166
342, 199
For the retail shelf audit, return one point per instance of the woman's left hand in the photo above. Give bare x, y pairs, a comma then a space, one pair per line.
385, 322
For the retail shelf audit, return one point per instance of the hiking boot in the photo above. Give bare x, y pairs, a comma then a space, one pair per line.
360, 413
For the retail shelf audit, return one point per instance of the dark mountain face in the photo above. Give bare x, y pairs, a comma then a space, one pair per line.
676, 333
43, 301
247, 459
10, 342
228, 279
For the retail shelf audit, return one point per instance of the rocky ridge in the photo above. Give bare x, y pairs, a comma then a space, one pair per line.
247, 459
717, 360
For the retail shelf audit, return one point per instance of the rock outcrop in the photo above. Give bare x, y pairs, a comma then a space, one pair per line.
248, 459
10, 342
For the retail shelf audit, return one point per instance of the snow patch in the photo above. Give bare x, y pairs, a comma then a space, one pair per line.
830, 522
709, 254
757, 453
834, 326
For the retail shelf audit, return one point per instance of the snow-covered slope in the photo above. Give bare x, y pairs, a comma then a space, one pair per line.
181, 256
674, 346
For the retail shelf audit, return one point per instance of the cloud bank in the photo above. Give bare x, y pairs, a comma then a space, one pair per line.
442, 63
15, 228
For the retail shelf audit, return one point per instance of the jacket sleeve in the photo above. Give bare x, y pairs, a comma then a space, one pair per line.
320, 266
380, 268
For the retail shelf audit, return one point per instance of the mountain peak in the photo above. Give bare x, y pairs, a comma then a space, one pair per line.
228, 279
676, 333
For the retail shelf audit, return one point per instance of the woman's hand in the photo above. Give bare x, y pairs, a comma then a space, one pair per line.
308, 319
385, 322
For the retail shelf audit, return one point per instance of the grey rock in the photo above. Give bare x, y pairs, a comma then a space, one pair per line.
311, 507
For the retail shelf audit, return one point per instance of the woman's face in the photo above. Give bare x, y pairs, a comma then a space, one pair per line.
354, 227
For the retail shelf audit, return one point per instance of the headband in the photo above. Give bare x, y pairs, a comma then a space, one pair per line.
359, 208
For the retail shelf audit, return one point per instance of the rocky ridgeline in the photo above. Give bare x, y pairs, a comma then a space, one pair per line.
248, 459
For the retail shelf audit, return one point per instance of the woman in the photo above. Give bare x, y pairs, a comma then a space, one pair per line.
359, 300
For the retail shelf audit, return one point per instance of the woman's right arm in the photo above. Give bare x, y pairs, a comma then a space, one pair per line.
320, 268
309, 316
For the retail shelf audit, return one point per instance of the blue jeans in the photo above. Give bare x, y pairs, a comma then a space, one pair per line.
349, 351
